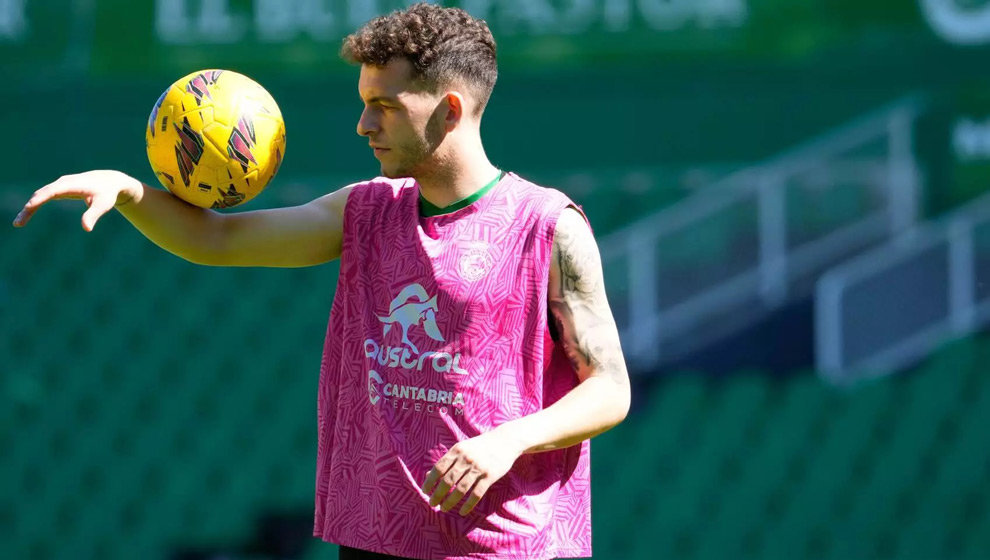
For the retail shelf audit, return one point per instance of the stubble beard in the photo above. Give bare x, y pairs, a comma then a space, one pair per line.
410, 162
418, 155
399, 170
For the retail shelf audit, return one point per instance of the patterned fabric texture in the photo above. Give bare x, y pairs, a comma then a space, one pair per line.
438, 333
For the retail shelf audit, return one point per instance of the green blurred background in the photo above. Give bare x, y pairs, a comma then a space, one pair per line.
150, 408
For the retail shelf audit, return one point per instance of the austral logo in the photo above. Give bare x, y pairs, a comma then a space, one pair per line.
412, 308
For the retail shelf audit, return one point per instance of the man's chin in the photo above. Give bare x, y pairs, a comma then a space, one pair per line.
395, 173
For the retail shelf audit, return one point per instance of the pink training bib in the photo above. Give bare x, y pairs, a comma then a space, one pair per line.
438, 333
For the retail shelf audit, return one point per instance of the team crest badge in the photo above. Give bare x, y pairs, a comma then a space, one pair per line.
476, 261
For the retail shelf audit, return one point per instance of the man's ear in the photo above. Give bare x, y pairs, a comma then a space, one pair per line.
455, 110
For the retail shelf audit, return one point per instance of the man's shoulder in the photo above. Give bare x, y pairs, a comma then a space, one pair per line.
523, 186
383, 184
549, 201
378, 190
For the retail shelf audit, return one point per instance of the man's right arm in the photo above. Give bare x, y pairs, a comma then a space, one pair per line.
284, 237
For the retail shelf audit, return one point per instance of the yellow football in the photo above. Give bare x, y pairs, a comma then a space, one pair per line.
215, 138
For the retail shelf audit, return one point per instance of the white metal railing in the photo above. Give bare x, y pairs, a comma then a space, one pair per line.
724, 256
892, 305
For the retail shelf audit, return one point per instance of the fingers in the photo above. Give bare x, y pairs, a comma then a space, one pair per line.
440, 469
444, 476
448, 481
462, 487
39, 197
458, 474
66, 186
478, 492
101, 205
448, 486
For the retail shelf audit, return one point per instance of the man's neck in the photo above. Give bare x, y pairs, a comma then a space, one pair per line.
456, 179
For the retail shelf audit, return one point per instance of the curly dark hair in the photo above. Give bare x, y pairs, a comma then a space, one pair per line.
444, 45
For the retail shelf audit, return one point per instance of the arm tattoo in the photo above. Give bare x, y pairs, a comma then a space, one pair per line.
577, 302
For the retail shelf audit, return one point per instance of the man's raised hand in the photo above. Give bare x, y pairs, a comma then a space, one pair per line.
101, 190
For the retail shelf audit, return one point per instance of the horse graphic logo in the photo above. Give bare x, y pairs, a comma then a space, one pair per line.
413, 306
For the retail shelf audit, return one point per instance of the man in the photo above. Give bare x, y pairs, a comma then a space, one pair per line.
470, 352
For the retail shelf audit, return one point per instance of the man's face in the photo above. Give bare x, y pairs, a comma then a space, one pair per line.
403, 123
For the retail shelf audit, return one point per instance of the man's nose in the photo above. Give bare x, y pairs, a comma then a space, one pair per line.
366, 124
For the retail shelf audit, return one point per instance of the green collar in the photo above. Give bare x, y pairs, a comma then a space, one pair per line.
428, 209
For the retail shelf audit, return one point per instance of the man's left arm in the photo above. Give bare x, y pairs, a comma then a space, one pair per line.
587, 331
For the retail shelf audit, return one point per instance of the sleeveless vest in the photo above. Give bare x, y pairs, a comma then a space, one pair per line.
437, 333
